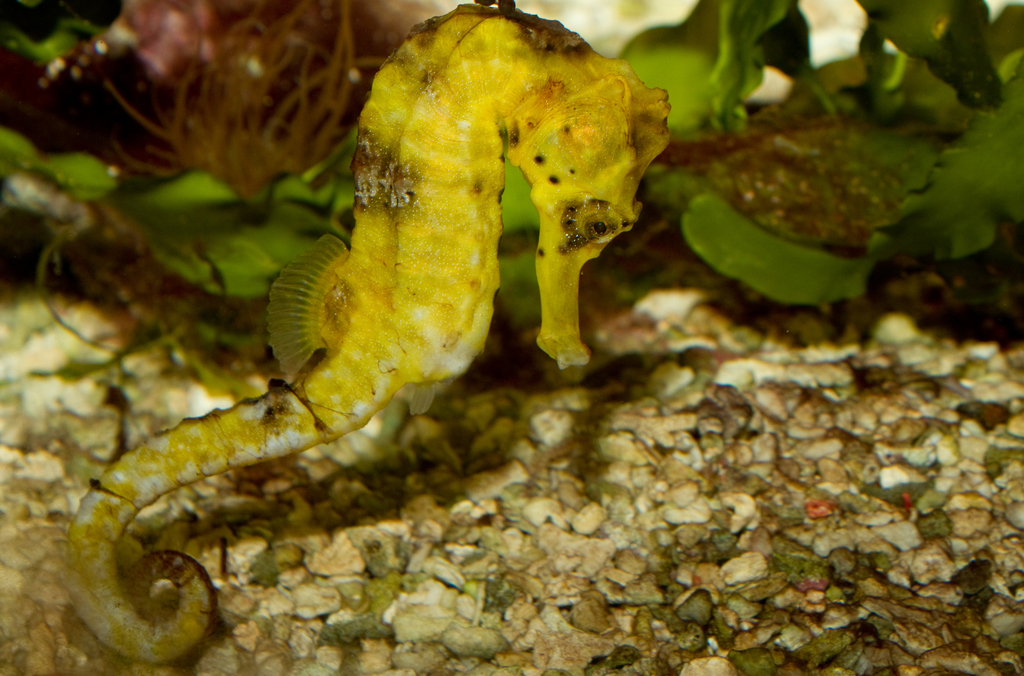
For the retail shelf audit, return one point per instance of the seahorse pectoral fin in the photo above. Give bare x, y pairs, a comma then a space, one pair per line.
308, 300
558, 273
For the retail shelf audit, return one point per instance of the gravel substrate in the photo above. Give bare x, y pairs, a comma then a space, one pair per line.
752, 510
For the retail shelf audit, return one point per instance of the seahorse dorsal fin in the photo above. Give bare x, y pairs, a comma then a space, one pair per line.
295, 313
422, 397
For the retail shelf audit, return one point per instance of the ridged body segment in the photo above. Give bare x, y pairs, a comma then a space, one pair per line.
412, 301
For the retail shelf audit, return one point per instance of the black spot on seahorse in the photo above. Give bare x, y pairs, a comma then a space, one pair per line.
569, 218
574, 241
273, 411
513, 136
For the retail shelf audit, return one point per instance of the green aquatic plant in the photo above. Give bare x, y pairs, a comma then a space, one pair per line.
916, 153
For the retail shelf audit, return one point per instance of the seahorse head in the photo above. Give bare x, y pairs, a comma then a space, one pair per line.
584, 154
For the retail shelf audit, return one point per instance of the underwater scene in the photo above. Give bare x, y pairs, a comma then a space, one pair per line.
511, 338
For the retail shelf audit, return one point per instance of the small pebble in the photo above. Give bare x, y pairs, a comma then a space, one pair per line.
902, 534
709, 666
474, 641
746, 567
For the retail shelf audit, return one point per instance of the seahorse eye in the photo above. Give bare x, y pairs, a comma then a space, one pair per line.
600, 228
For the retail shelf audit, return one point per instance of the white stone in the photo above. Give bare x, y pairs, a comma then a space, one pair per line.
897, 475
621, 447
445, 571
669, 304
896, 329
950, 594
959, 661
997, 389
41, 466
538, 510
969, 500
489, 485
947, 450
793, 636
683, 495
931, 564
330, 656
589, 519
902, 535
825, 542
242, 554
590, 554
312, 600
919, 456
1015, 514
819, 375
339, 558
742, 373
820, 448
744, 511
970, 522
699, 511
669, 378
837, 616
744, 568
551, 427
771, 401
709, 666
1015, 425
273, 602
1004, 615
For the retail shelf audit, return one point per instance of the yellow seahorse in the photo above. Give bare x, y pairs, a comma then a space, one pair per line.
412, 301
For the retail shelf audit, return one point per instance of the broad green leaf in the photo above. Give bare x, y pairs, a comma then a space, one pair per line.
680, 59
1009, 66
198, 227
80, 175
949, 35
787, 272
519, 294
685, 74
41, 51
740, 65
16, 152
974, 187
827, 182
517, 211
